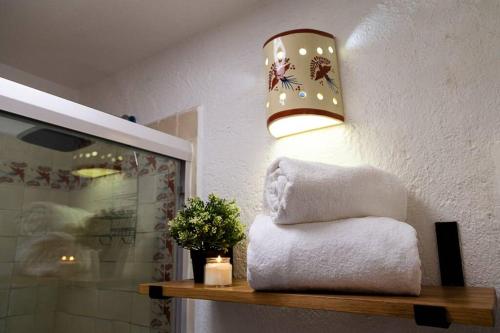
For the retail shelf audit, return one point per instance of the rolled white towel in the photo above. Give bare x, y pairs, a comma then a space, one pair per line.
299, 191
43, 217
371, 254
42, 255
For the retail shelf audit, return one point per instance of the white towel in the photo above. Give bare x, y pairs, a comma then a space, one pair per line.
371, 254
44, 217
42, 255
298, 191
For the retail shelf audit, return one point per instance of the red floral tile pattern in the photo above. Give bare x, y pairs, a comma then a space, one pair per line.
132, 165
166, 198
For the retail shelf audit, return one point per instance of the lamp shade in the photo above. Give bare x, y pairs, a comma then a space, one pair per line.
98, 160
303, 82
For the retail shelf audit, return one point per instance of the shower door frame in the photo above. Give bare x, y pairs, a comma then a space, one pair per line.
31, 103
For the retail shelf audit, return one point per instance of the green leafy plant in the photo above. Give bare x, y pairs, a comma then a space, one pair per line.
211, 225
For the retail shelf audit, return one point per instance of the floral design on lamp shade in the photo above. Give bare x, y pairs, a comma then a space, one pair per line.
277, 74
319, 69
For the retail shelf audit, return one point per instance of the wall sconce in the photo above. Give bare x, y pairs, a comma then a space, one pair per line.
304, 90
94, 164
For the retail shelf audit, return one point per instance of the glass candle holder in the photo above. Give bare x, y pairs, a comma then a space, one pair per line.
218, 272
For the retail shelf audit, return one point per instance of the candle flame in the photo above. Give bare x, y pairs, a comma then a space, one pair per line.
219, 259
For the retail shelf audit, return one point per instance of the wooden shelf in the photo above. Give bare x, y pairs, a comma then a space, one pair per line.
464, 305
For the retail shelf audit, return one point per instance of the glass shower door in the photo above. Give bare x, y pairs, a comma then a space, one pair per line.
82, 221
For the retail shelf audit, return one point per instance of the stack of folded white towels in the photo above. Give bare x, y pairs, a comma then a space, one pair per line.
333, 228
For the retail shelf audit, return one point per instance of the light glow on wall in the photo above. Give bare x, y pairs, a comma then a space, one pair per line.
332, 145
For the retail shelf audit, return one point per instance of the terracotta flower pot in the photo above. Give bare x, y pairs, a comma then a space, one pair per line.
199, 259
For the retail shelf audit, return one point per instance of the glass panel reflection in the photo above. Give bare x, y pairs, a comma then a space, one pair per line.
82, 222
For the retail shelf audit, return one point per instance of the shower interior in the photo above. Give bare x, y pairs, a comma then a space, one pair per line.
83, 220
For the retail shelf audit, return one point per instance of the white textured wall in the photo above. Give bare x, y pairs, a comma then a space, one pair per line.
33, 81
421, 85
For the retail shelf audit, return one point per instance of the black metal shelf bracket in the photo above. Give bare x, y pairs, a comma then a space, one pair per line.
433, 316
450, 267
156, 292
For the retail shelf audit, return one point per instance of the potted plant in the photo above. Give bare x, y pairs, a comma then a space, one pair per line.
207, 229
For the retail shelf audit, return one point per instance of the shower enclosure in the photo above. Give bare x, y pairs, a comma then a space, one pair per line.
84, 207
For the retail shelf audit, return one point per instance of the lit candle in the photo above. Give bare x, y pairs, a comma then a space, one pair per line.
66, 260
218, 272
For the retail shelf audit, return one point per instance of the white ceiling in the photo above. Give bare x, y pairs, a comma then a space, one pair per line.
79, 42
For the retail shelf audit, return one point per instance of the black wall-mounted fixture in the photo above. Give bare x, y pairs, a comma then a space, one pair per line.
450, 256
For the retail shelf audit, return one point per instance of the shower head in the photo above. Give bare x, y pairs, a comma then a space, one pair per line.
53, 139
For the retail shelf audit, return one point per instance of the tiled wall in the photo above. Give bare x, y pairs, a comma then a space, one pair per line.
112, 304
25, 302
183, 124
104, 299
